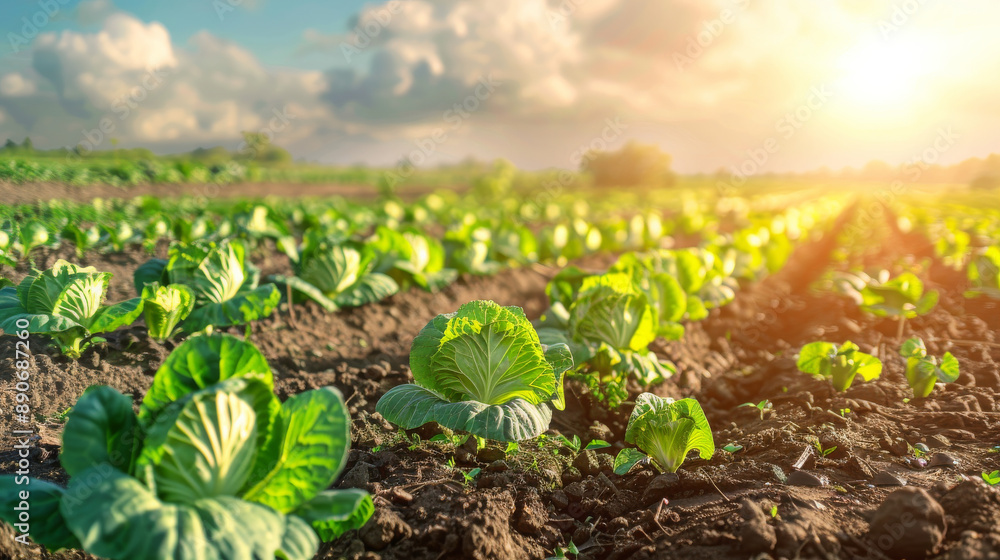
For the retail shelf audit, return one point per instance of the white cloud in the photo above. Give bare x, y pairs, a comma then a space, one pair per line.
101, 67
129, 74
16, 85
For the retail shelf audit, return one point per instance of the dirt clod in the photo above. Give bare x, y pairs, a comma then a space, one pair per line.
909, 524
383, 529
756, 535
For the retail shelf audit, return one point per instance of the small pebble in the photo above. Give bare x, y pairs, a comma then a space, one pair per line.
942, 460
803, 478
885, 478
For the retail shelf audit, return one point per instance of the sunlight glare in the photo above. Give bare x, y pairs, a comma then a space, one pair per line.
879, 75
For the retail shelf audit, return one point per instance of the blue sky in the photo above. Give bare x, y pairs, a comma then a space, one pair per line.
834, 83
271, 29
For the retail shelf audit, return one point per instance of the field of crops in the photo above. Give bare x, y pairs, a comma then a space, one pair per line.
502, 374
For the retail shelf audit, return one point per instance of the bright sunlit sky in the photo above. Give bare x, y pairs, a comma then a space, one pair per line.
823, 82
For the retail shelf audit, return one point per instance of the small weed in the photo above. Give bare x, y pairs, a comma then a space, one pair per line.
560, 552
992, 478
763, 406
823, 452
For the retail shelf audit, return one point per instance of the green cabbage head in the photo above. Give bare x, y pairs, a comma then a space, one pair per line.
65, 302
213, 466
481, 370
223, 283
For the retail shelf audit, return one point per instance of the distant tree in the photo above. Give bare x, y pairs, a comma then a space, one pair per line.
496, 183
633, 165
257, 146
28, 145
878, 170
10, 146
986, 182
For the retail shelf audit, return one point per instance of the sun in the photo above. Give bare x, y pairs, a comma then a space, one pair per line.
880, 74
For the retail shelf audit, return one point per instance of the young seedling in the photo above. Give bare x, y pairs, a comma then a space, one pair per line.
573, 444
763, 406
839, 364
732, 448
923, 371
844, 412
823, 452
560, 553
902, 297
992, 478
470, 475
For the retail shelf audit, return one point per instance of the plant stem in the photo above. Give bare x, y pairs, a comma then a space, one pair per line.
291, 310
899, 333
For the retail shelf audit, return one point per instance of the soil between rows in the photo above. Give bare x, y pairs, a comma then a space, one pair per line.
523, 506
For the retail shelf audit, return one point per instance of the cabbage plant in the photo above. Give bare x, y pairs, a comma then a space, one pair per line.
212, 467
66, 303
984, 274
337, 274
411, 257
84, 239
481, 370
612, 318
223, 282
901, 297
666, 430
663, 291
165, 307
6, 255
840, 364
33, 234
923, 370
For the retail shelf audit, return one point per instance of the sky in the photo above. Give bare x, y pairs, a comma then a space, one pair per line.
752, 86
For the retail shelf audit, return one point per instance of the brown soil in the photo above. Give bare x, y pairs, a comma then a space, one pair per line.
524, 505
